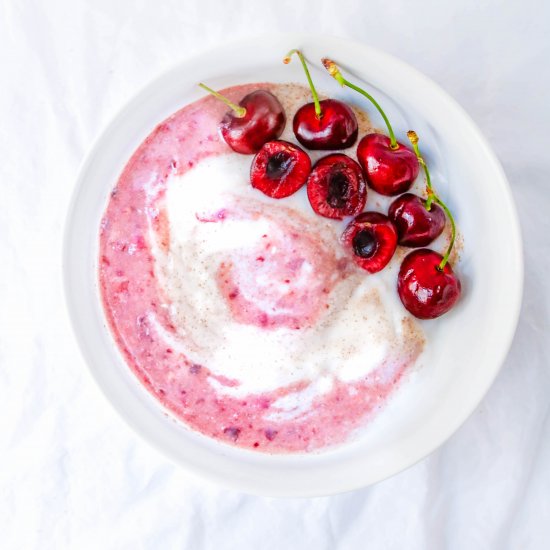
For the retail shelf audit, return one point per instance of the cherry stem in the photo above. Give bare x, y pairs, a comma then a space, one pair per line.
432, 197
286, 61
334, 71
240, 112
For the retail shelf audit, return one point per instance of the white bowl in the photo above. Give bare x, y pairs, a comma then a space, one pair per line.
466, 347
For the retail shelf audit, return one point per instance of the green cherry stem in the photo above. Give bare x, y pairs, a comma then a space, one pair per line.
286, 61
334, 71
240, 112
432, 197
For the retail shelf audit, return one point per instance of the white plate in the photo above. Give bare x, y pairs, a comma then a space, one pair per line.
466, 347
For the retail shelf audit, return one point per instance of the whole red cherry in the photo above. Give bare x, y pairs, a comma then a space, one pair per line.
257, 119
389, 171
323, 125
416, 225
335, 128
425, 289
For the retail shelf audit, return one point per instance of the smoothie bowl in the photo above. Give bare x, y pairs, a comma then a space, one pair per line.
248, 310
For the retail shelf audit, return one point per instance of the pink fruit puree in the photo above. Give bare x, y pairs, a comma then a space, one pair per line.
135, 229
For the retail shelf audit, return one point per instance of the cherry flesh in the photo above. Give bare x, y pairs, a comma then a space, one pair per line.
263, 121
388, 171
425, 289
415, 224
372, 238
335, 128
336, 187
279, 169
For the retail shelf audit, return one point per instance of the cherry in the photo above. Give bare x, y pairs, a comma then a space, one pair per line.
373, 239
389, 170
326, 124
426, 283
390, 167
335, 128
417, 222
258, 118
279, 169
336, 187
426, 290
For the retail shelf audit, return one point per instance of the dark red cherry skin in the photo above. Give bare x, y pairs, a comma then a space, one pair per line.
336, 187
279, 169
336, 128
372, 238
416, 226
264, 121
388, 171
426, 291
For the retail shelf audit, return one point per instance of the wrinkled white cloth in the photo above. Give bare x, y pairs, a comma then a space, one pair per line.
73, 475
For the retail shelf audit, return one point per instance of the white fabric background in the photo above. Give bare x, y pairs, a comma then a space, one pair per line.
73, 475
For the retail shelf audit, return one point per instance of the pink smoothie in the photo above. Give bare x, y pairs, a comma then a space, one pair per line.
288, 280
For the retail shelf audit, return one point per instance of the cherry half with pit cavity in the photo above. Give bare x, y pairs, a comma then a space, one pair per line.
323, 125
427, 284
390, 167
336, 187
257, 119
279, 169
372, 238
418, 221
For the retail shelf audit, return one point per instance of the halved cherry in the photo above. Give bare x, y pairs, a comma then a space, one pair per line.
372, 238
279, 169
336, 187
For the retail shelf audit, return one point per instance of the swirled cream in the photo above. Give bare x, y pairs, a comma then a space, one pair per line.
244, 315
